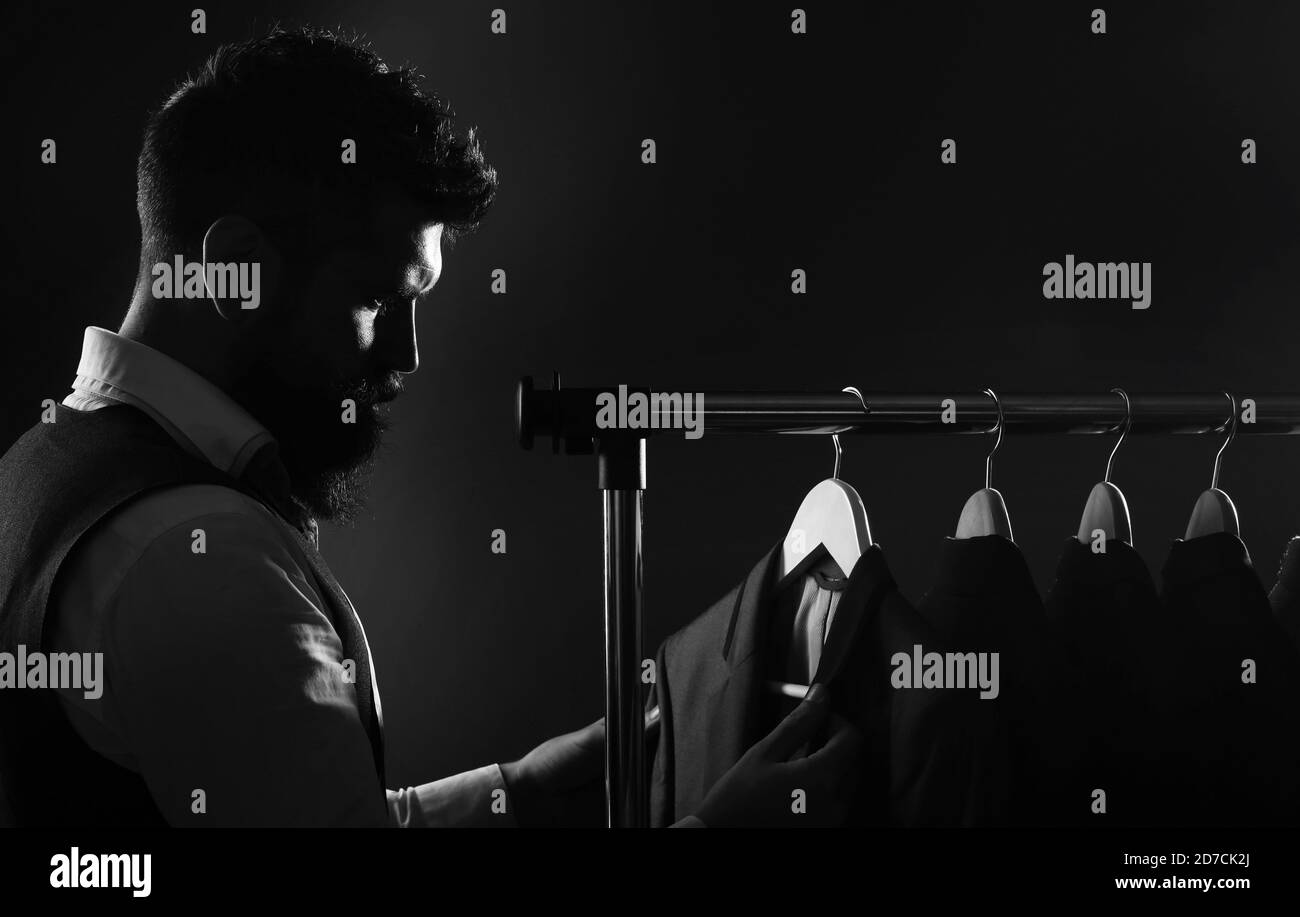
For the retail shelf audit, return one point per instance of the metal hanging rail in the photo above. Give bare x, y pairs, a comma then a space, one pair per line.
569, 418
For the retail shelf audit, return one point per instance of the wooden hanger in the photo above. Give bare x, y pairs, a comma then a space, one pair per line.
985, 513
1214, 511
830, 520
1107, 510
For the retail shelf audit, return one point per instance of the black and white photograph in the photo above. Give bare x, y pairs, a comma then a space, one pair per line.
639, 415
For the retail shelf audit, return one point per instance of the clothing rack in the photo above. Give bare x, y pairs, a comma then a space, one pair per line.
569, 418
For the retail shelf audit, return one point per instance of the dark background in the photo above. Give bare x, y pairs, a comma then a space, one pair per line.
775, 151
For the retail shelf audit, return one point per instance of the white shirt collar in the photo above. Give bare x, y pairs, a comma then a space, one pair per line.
194, 411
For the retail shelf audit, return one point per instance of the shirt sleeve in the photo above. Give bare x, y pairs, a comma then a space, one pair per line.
474, 799
229, 684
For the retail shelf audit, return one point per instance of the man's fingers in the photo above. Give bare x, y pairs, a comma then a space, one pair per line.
797, 728
591, 740
827, 777
836, 760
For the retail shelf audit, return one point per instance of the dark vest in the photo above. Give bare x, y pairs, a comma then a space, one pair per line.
56, 482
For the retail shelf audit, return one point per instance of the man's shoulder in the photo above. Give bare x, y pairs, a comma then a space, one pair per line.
156, 513
196, 539
182, 513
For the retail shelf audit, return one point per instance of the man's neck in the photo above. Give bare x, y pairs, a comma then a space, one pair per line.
183, 338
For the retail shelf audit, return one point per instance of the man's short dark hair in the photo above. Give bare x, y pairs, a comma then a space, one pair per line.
260, 130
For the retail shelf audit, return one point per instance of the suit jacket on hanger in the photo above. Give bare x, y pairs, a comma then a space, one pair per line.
1105, 604
923, 745
1234, 742
984, 600
1284, 597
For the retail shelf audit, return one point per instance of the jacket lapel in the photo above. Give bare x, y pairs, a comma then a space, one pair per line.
729, 717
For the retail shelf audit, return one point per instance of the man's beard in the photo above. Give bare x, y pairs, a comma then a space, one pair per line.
327, 449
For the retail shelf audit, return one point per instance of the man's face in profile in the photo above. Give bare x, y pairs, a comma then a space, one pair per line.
332, 351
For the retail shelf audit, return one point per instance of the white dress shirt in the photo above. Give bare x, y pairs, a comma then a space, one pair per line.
222, 671
822, 588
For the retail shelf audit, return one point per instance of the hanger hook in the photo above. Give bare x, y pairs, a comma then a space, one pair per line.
1128, 422
988, 462
1232, 433
835, 437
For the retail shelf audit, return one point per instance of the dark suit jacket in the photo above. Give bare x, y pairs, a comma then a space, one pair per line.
1284, 597
983, 599
1234, 747
926, 747
1111, 621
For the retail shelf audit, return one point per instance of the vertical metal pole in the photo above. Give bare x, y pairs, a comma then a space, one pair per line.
621, 469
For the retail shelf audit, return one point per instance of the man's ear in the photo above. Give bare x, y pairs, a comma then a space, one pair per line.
241, 269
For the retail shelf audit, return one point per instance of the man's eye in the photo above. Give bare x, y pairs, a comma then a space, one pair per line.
388, 303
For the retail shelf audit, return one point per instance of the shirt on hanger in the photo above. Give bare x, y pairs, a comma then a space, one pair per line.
1109, 615
820, 590
710, 689
1231, 699
984, 600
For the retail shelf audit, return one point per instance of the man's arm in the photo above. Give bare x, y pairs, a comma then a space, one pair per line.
227, 680
225, 689
474, 799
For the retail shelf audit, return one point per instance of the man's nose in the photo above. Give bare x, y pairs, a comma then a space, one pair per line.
399, 349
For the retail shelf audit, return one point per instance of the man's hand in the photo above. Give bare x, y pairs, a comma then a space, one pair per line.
562, 781
760, 789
